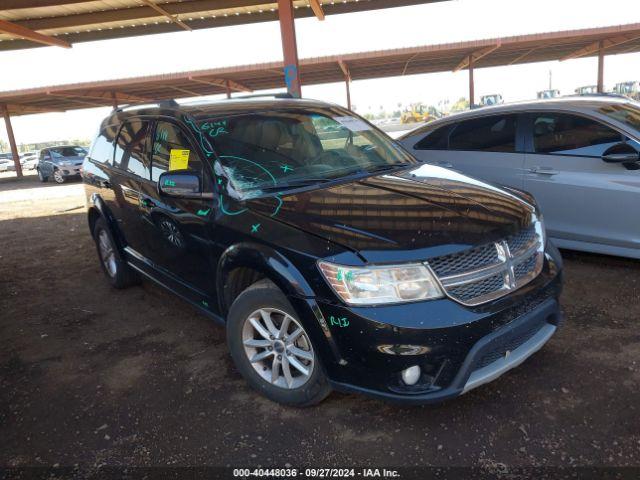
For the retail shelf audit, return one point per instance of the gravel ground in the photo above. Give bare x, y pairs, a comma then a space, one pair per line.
93, 376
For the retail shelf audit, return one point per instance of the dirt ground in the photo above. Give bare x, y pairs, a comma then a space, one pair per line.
94, 376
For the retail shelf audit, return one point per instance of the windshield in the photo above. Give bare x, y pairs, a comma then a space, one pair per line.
627, 113
61, 152
267, 152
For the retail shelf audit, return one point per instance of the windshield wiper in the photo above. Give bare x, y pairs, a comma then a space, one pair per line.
293, 184
387, 166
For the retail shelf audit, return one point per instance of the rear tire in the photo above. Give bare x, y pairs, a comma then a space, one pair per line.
120, 274
279, 344
41, 177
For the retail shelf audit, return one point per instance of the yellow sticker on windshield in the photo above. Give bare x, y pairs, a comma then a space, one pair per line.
178, 159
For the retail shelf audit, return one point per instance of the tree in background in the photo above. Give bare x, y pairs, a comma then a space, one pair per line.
4, 146
460, 105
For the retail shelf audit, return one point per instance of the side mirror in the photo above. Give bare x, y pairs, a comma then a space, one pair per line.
182, 184
622, 153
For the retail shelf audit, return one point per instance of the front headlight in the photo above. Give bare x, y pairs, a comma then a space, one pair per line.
379, 285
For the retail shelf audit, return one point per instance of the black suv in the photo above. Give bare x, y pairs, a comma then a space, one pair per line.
335, 259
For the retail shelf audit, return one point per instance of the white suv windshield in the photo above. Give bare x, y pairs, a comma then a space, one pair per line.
272, 151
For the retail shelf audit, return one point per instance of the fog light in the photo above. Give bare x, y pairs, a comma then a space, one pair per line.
411, 375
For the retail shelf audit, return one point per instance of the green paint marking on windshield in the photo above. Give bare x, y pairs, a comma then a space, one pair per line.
204, 143
203, 213
255, 227
339, 321
205, 303
275, 212
169, 183
349, 276
286, 168
339, 275
217, 131
227, 212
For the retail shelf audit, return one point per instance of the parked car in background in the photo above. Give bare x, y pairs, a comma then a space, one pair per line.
544, 94
60, 163
577, 155
587, 90
488, 100
29, 160
6, 162
335, 262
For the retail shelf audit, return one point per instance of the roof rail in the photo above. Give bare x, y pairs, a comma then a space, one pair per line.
258, 95
170, 103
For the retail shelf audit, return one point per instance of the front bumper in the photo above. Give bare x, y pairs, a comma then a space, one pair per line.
458, 348
70, 171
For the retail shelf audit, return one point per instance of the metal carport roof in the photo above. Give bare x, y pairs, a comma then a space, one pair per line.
357, 66
31, 23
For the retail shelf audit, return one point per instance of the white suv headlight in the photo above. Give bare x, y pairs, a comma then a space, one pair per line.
379, 285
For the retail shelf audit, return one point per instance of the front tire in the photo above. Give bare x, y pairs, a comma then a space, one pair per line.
120, 274
58, 177
41, 176
271, 348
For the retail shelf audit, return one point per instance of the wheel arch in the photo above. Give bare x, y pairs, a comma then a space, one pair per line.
243, 264
98, 209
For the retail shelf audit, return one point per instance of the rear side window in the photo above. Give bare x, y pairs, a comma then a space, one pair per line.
496, 133
172, 150
436, 140
565, 134
102, 148
130, 152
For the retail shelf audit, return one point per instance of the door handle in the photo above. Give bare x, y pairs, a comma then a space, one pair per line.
543, 170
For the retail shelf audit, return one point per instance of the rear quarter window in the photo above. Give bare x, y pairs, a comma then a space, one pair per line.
495, 133
102, 148
437, 139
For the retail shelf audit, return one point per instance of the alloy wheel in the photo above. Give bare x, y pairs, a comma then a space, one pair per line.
278, 348
57, 176
107, 253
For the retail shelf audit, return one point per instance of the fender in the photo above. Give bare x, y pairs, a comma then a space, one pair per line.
281, 271
97, 202
265, 260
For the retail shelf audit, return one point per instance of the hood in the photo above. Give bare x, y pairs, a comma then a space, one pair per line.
74, 159
419, 213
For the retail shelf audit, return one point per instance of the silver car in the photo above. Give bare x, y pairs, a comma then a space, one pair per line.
578, 157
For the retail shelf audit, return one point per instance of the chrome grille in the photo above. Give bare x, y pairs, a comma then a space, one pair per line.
484, 273
464, 261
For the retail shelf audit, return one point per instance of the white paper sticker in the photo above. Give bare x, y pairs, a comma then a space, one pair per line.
352, 123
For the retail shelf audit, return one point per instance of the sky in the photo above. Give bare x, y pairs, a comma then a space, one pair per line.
445, 22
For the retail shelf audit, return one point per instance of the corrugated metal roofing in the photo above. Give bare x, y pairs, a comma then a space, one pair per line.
364, 65
85, 20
